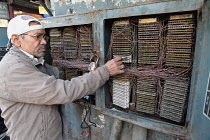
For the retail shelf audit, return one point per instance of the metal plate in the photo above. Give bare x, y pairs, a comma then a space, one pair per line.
121, 91
122, 40
173, 101
146, 94
180, 31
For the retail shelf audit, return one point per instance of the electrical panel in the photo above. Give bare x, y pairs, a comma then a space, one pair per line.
148, 41
57, 49
173, 102
158, 56
56, 43
121, 91
146, 94
71, 50
181, 30
70, 43
85, 41
122, 39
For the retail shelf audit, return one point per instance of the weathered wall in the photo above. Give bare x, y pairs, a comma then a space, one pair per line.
65, 7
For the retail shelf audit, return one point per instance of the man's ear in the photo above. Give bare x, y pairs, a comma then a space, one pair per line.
16, 40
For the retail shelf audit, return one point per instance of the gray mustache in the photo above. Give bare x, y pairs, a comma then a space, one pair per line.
41, 47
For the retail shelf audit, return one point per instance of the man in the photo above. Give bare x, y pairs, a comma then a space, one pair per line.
31, 92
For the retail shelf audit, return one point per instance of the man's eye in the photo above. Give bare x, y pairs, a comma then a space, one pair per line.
39, 36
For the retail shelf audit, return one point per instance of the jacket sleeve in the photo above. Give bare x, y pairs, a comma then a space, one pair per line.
28, 85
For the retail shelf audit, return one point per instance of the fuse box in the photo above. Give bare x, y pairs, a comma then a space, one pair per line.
158, 52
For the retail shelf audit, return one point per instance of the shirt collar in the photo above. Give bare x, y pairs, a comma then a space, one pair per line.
37, 60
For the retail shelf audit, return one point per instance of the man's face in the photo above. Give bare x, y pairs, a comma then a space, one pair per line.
31, 42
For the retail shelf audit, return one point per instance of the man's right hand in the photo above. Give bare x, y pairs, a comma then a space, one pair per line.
115, 66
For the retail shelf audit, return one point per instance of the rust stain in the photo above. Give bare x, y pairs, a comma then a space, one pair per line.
172, 128
191, 129
69, 19
175, 129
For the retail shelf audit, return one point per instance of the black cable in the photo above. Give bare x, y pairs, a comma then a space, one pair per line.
88, 112
92, 123
84, 122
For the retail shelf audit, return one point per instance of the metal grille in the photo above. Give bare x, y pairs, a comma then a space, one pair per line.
146, 94
85, 41
70, 43
121, 91
173, 104
57, 49
122, 40
180, 40
56, 43
70, 48
148, 41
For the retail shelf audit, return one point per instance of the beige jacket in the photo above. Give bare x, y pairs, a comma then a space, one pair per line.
30, 95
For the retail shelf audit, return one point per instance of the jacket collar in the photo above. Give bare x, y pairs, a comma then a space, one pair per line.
26, 55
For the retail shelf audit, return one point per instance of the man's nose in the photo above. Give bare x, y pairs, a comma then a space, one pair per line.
43, 41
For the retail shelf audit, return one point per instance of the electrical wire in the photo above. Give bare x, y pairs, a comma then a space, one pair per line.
86, 124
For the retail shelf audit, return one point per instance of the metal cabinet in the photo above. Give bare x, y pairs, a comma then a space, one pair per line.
165, 46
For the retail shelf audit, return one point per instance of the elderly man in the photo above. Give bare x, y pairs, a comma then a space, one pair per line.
31, 93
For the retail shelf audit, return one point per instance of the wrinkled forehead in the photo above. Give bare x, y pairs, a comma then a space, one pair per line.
36, 32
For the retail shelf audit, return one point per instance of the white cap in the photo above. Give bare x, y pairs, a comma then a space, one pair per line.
20, 25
